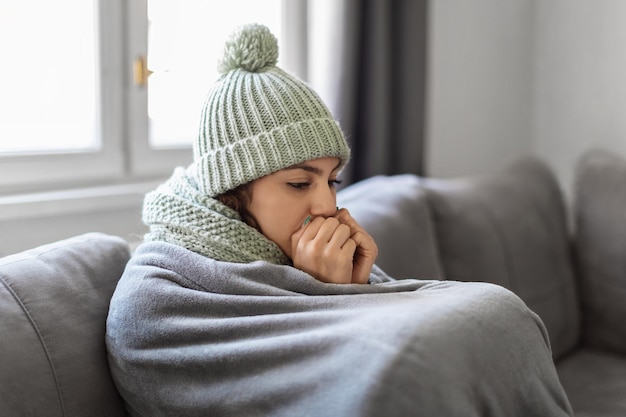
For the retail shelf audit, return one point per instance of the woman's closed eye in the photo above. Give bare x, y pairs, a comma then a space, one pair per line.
334, 183
299, 185
305, 184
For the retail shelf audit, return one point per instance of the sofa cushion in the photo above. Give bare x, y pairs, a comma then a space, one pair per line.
509, 227
394, 210
600, 207
594, 382
54, 302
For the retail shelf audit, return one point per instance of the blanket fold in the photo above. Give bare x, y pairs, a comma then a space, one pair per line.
188, 335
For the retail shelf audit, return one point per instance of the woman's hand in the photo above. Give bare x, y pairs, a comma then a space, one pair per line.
324, 249
366, 249
335, 250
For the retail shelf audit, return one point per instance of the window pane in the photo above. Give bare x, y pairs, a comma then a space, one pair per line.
47, 76
185, 39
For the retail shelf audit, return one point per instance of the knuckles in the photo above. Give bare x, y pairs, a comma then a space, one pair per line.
343, 228
331, 221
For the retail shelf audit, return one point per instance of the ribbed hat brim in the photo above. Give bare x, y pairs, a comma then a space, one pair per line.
254, 157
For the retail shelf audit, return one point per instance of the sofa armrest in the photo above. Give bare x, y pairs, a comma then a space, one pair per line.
600, 210
54, 301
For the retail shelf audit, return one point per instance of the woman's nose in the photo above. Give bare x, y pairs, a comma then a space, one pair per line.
324, 202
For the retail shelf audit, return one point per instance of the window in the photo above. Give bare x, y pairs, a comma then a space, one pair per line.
110, 93
38, 113
60, 120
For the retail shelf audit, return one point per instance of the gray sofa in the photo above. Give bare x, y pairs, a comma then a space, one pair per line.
509, 227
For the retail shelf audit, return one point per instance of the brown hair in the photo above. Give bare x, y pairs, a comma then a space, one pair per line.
238, 199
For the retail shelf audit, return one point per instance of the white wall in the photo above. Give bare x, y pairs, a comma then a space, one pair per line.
580, 81
34, 219
509, 77
479, 73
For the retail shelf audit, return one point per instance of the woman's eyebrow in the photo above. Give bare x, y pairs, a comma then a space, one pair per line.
306, 167
309, 168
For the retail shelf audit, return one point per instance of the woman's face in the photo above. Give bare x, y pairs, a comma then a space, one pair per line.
282, 201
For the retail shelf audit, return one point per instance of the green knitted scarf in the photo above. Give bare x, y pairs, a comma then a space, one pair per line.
178, 213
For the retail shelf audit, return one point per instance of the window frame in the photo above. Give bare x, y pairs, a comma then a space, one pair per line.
144, 160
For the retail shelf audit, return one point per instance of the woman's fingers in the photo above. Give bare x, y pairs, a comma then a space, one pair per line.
324, 249
363, 239
366, 250
339, 236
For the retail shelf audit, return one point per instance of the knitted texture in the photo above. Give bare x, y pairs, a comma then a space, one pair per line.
258, 119
179, 213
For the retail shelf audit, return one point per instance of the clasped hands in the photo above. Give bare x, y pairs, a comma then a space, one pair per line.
335, 249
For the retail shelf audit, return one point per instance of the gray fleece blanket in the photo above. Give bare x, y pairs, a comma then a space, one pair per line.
191, 336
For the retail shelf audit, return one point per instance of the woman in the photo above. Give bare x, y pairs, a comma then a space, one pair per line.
254, 295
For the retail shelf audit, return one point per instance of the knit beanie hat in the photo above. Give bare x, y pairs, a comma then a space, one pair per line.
258, 119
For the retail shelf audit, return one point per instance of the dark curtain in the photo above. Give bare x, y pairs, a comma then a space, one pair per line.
380, 99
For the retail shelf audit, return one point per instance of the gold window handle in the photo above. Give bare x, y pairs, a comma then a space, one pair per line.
141, 71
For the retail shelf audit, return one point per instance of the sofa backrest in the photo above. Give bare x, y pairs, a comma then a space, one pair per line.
394, 210
510, 228
507, 228
600, 228
54, 302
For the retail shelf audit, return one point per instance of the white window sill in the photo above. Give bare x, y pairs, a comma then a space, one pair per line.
74, 201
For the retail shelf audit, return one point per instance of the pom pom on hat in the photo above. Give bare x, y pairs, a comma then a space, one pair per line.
258, 119
250, 48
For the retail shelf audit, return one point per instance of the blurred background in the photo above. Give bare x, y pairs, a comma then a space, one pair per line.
98, 106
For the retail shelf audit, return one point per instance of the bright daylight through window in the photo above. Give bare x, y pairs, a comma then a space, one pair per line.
48, 76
